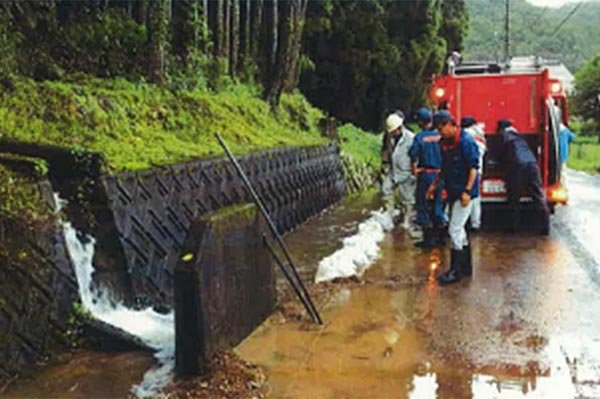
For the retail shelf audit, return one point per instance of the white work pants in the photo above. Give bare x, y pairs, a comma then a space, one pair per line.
476, 213
458, 220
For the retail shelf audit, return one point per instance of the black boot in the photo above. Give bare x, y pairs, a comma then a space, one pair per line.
428, 238
441, 234
467, 269
454, 274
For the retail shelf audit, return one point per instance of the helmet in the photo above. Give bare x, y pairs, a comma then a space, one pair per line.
424, 115
441, 117
504, 123
393, 122
467, 121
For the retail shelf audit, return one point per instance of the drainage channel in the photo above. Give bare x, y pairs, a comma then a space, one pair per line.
95, 375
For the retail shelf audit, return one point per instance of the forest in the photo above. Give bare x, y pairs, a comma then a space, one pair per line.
356, 60
568, 33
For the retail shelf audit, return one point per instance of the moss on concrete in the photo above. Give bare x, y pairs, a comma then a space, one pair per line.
222, 219
21, 200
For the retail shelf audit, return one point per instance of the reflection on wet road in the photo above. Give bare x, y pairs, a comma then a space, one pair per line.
526, 325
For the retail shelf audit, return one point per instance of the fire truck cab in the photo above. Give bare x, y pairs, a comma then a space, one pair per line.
522, 93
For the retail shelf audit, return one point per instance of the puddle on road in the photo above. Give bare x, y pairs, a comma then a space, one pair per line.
508, 333
85, 375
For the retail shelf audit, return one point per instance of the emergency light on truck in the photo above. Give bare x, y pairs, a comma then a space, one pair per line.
555, 88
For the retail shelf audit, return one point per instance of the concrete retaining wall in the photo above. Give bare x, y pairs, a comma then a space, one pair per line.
140, 221
154, 209
37, 291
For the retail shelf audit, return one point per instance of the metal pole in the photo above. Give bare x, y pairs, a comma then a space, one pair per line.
313, 311
287, 275
507, 33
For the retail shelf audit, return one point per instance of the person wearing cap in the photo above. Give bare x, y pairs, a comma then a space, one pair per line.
460, 162
398, 181
470, 125
522, 172
426, 159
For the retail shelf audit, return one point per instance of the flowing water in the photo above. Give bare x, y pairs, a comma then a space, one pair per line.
155, 329
524, 326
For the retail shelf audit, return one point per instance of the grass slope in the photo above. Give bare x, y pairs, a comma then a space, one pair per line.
585, 154
364, 146
138, 125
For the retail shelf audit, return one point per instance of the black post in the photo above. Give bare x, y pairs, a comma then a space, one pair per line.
190, 351
311, 309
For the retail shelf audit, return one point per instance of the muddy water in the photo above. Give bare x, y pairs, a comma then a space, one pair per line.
323, 235
525, 325
101, 375
85, 375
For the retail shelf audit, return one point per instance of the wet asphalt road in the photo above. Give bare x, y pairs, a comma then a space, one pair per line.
526, 325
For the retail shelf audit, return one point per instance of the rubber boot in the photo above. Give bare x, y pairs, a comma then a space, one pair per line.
467, 269
454, 274
441, 234
545, 222
428, 238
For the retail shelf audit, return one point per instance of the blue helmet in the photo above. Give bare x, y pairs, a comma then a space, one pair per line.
441, 117
504, 123
424, 115
467, 121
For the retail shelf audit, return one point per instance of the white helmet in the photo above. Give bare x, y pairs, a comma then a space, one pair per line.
393, 122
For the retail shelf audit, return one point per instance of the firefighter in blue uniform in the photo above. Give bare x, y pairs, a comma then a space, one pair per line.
460, 162
426, 158
522, 172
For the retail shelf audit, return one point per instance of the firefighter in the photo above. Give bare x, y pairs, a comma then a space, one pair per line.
522, 172
398, 182
565, 137
426, 158
470, 125
460, 161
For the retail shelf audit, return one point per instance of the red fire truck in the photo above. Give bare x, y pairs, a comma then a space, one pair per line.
524, 94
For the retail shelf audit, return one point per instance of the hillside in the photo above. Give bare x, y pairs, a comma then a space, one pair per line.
534, 31
139, 125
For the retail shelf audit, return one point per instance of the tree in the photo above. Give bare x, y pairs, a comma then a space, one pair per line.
586, 101
158, 32
372, 56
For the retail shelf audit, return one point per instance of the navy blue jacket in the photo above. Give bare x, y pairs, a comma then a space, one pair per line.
425, 150
515, 150
458, 159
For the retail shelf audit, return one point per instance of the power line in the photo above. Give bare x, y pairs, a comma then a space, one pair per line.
573, 11
534, 26
507, 31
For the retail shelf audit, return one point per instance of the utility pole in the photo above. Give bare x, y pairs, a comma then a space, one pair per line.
507, 32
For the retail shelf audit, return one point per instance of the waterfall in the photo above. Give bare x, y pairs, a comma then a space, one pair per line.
155, 329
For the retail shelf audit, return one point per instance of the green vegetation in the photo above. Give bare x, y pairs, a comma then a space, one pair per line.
364, 146
533, 31
365, 58
585, 155
139, 125
20, 199
586, 102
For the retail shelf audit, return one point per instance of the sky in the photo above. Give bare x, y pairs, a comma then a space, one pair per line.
550, 3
